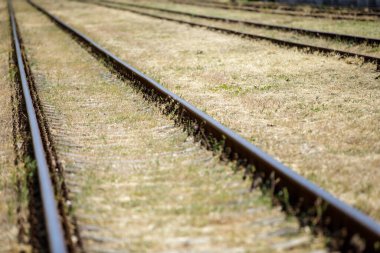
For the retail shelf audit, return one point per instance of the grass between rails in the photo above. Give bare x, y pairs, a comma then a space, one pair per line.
358, 28
139, 183
316, 114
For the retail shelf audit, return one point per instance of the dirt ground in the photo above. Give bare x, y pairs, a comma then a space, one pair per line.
137, 182
319, 115
8, 178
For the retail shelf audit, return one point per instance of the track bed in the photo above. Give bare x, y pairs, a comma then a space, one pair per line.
9, 175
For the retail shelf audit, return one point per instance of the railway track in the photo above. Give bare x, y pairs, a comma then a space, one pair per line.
303, 197
97, 149
278, 12
307, 47
55, 228
315, 33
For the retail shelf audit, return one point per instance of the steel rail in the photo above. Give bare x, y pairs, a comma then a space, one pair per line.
343, 13
55, 236
291, 8
312, 48
332, 15
287, 13
343, 37
337, 214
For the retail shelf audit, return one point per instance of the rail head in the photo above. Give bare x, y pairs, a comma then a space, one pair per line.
53, 225
337, 214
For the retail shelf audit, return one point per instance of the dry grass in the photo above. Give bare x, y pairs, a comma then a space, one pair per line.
138, 183
335, 44
358, 28
8, 193
319, 115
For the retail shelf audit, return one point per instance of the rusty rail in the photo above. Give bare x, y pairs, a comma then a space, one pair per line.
341, 10
281, 42
315, 33
277, 12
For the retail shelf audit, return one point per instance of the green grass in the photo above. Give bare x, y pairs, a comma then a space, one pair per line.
230, 88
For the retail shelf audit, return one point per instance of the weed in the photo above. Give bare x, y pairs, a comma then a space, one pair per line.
266, 87
234, 89
30, 166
